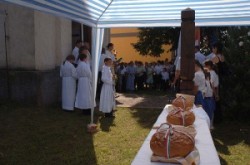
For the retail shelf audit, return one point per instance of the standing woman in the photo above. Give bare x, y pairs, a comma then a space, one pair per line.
199, 84
69, 75
84, 90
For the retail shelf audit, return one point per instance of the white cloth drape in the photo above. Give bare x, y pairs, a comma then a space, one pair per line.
97, 39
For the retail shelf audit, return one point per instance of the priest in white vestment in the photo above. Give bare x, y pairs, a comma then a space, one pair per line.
69, 76
84, 92
107, 99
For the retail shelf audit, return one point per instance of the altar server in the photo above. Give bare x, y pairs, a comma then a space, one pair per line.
84, 91
69, 75
107, 99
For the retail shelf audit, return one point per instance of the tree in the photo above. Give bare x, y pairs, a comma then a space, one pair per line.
236, 86
151, 40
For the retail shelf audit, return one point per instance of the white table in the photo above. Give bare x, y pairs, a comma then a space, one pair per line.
203, 141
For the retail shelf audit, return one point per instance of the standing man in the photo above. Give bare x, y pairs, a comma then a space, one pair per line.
75, 51
109, 51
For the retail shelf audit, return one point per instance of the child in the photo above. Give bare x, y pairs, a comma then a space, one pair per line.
69, 75
214, 79
107, 99
84, 92
209, 98
199, 84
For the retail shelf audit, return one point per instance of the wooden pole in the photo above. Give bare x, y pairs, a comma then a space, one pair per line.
187, 50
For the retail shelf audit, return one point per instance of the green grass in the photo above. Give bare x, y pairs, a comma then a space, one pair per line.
232, 141
32, 135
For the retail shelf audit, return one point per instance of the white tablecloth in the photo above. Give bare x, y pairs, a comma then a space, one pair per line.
203, 141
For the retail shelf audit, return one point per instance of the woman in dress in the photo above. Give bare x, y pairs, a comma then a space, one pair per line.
84, 92
69, 75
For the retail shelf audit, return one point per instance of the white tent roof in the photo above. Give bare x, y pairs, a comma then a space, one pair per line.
144, 13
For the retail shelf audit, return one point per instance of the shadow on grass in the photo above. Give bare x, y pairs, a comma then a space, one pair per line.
230, 133
106, 123
145, 117
31, 135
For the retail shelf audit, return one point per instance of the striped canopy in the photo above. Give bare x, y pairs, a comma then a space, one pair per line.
100, 14
144, 13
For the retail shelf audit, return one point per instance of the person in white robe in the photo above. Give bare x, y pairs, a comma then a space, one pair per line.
84, 92
89, 57
69, 76
107, 99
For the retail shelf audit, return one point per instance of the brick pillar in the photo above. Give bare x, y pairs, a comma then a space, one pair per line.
187, 50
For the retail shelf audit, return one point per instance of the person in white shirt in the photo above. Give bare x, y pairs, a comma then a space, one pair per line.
214, 80
199, 84
164, 79
140, 71
84, 91
209, 97
75, 51
121, 71
210, 56
157, 76
101, 62
199, 56
69, 76
150, 72
107, 99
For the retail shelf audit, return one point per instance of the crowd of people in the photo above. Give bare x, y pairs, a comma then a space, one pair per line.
116, 75
77, 80
206, 82
136, 75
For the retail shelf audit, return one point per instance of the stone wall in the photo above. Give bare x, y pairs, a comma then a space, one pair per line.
37, 43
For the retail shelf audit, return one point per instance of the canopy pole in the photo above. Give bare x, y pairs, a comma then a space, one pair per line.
97, 40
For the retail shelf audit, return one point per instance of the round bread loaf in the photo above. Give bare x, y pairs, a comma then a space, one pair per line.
171, 142
182, 102
180, 117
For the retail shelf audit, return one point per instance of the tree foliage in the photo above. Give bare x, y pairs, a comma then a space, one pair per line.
236, 85
151, 40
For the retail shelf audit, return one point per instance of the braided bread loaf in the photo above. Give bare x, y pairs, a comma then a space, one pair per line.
172, 142
183, 101
180, 117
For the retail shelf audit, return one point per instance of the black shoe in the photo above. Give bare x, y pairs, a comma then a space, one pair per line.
86, 112
109, 115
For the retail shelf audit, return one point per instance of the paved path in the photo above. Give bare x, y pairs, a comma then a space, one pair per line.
141, 101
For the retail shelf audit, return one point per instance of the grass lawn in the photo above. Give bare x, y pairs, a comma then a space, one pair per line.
31, 135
